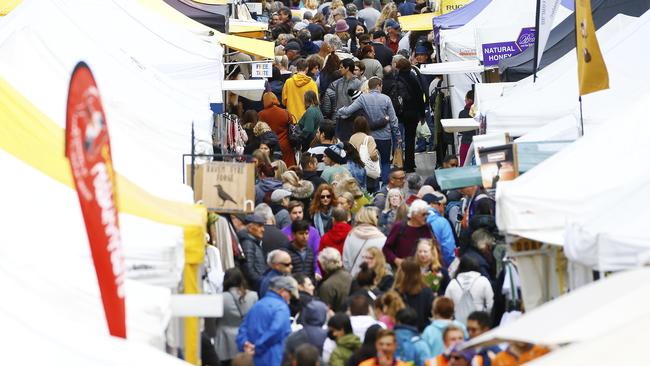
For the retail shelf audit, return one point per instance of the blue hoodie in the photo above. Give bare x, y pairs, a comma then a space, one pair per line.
264, 186
441, 229
410, 346
433, 334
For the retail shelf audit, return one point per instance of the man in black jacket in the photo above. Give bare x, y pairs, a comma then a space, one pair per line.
383, 54
302, 256
250, 240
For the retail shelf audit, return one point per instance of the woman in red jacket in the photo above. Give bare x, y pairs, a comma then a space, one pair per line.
278, 119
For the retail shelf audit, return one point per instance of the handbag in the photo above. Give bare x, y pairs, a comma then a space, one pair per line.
398, 160
373, 168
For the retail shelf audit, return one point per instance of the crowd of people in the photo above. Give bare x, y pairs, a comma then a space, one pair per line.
350, 257
331, 275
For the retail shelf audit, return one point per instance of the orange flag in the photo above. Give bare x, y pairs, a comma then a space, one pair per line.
592, 72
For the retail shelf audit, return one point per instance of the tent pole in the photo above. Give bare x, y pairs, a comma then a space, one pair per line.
536, 49
192, 158
582, 126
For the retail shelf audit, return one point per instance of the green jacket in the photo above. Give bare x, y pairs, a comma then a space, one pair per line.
309, 123
345, 347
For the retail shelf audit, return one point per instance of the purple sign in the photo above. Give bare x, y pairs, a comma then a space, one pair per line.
526, 38
493, 52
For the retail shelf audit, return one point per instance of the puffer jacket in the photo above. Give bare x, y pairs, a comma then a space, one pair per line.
301, 192
255, 264
305, 266
361, 238
336, 96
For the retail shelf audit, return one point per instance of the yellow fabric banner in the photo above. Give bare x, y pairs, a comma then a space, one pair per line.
447, 6
592, 72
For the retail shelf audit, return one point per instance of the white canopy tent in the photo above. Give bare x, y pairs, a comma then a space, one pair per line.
623, 345
149, 115
554, 96
578, 181
46, 270
459, 44
614, 237
584, 314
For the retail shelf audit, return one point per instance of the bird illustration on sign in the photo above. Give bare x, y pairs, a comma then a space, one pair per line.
224, 195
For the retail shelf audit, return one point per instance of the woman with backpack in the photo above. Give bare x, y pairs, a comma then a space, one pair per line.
278, 120
361, 136
310, 121
469, 290
237, 300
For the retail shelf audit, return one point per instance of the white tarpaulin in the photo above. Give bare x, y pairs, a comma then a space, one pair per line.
586, 313
614, 237
149, 115
582, 180
460, 44
554, 96
629, 342
46, 269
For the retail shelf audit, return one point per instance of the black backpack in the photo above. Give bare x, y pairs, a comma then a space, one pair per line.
399, 94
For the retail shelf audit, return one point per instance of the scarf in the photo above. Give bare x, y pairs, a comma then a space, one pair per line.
318, 220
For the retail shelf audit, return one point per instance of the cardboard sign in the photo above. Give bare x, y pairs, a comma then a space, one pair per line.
262, 70
498, 163
224, 186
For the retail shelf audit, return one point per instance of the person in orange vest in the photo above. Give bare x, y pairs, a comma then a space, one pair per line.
386, 345
451, 336
519, 353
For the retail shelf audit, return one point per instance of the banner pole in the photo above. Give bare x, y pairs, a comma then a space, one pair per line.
536, 49
582, 126
192, 158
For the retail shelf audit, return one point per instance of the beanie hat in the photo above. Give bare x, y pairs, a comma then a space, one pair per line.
336, 153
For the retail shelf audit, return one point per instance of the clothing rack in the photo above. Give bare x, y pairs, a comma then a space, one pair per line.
228, 136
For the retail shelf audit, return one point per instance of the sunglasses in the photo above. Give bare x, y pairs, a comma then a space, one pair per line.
325, 196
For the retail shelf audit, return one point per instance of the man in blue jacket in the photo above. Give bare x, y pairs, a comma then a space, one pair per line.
268, 323
440, 227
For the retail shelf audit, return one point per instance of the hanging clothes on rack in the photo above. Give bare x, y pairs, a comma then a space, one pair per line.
224, 239
229, 137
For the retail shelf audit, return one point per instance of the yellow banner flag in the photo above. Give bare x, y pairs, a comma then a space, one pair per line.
592, 72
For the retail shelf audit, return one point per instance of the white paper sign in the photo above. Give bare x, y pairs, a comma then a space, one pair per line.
262, 70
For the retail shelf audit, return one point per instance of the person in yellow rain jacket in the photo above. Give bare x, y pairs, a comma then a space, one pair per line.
295, 88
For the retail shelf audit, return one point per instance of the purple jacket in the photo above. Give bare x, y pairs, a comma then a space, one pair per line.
313, 241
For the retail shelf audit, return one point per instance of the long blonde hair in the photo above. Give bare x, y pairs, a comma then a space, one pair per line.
435, 254
389, 11
380, 264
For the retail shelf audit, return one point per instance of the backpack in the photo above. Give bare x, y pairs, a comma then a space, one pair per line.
407, 350
295, 132
465, 305
399, 94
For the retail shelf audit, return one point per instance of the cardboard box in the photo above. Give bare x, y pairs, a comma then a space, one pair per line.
224, 186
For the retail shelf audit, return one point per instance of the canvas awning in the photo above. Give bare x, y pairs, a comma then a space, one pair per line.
249, 89
8, 5
455, 67
417, 22
251, 46
586, 313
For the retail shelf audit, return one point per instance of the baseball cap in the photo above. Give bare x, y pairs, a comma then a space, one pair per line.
430, 198
279, 194
393, 24
292, 46
287, 283
467, 354
255, 219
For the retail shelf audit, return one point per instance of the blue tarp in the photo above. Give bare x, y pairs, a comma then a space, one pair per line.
529, 154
